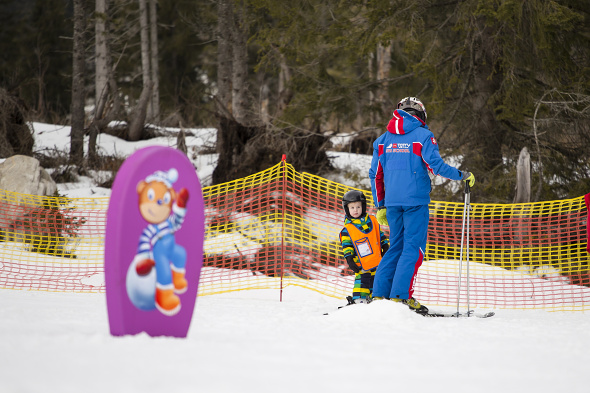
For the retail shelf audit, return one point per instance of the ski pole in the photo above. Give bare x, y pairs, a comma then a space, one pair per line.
468, 202
465, 215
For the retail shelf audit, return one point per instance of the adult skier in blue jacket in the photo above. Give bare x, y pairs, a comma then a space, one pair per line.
400, 183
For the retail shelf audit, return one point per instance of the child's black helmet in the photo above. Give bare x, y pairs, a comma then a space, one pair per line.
413, 106
354, 196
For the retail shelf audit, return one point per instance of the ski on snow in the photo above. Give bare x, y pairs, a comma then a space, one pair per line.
350, 303
434, 314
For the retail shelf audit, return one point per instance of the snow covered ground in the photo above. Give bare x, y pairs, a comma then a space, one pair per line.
249, 341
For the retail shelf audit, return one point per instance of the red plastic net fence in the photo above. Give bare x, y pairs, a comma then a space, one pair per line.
520, 255
280, 227
52, 244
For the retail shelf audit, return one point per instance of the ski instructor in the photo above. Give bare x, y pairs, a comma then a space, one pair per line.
402, 158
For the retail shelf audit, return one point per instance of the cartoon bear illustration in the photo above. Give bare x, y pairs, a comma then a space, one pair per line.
157, 273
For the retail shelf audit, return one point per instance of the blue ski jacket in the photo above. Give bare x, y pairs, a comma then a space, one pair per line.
402, 159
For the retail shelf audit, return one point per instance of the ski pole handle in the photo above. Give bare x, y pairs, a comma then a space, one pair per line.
469, 180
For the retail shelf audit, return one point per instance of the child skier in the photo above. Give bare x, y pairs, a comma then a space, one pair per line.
363, 245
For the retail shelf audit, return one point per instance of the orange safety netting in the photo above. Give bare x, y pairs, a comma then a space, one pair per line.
280, 227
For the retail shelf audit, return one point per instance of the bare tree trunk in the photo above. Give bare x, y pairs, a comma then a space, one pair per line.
224, 92
78, 72
232, 134
111, 103
240, 65
101, 70
181, 141
264, 100
539, 160
371, 66
523, 177
285, 93
155, 101
383, 68
98, 125
145, 50
101, 78
224, 54
42, 67
521, 213
486, 82
139, 114
231, 141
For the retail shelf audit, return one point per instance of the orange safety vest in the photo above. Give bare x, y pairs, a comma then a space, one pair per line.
366, 245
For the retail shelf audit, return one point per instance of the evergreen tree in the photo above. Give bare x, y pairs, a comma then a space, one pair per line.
38, 56
495, 75
487, 63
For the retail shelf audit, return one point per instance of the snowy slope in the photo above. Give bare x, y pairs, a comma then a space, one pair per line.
249, 341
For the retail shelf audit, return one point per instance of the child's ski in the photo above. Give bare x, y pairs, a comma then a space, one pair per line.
436, 314
351, 302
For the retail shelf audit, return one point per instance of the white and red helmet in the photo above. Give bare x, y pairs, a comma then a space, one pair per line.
413, 106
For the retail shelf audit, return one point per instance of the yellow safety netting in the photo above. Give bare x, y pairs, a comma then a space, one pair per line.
280, 227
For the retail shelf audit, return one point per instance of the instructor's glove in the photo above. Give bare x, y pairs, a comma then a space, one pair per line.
468, 177
382, 216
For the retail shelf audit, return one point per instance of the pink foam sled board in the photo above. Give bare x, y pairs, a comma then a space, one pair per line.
151, 236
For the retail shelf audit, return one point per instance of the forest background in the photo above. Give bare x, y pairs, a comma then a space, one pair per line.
500, 79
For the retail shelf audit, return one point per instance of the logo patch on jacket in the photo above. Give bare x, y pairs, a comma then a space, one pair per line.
398, 148
433, 140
